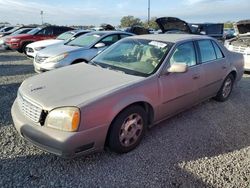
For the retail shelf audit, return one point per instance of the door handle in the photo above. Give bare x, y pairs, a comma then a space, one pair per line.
224, 67
196, 76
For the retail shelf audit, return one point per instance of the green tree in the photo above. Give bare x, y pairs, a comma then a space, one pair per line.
128, 21
228, 24
152, 24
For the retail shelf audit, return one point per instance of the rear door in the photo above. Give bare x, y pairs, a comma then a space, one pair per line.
180, 90
214, 67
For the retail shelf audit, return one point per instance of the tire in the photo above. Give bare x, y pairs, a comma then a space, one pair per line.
124, 136
226, 89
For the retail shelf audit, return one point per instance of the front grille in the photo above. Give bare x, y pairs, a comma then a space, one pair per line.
239, 49
29, 50
29, 109
40, 59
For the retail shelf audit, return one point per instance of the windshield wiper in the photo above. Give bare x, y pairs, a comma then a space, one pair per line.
95, 64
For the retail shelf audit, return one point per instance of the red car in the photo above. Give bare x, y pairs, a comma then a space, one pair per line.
19, 42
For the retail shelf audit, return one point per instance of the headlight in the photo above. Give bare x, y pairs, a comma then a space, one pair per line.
57, 58
65, 119
14, 40
39, 48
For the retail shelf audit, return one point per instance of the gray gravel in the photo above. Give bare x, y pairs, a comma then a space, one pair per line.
206, 146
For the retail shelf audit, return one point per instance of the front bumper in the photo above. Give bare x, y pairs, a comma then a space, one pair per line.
63, 144
13, 45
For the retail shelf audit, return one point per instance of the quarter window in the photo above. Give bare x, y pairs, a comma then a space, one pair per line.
218, 52
206, 50
184, 53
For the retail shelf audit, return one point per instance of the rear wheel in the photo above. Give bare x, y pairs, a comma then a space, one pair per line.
225, 89
127, 129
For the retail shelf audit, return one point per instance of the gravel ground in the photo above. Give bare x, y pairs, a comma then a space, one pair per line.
206, 146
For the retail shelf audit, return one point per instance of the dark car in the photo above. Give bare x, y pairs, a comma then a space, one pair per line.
40, 33
5, 29
138, 30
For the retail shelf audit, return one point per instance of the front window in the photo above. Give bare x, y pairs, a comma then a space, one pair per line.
65, 36
134, 56
84, 40
184, 53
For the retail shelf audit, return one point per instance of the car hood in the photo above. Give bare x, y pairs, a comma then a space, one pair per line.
242, 28
74, 85
60, 49
44, 43
167, 24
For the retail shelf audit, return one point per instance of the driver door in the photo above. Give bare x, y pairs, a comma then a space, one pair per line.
180, 90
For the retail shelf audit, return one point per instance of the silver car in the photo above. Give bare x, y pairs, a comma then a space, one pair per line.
134, 84
81, 49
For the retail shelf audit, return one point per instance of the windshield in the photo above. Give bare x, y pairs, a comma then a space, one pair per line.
65, 36
134, 56
84, 40
34, 31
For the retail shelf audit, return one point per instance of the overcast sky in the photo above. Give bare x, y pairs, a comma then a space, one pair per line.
86, 12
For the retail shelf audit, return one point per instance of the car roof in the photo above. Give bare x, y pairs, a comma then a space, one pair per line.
110, 32
173, 38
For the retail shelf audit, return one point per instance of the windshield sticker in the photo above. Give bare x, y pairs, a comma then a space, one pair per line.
96, 36
158, 44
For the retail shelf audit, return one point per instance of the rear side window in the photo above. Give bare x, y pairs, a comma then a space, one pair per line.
218, 52
206, 50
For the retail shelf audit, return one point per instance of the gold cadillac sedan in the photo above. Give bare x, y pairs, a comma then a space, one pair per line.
136, 83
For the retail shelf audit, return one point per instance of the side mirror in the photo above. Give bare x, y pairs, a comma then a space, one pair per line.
100, 45
178, 68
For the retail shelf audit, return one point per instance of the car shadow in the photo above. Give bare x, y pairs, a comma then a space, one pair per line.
207, 130
15, 70
7, 58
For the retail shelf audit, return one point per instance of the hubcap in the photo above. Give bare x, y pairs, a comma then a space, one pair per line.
227, 88
131, 130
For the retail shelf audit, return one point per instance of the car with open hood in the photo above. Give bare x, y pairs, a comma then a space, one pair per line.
241, 43
176, 25
81, 49
134, 84
32, 49
40, 33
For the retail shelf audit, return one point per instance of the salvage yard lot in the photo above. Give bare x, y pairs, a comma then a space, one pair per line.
206, 146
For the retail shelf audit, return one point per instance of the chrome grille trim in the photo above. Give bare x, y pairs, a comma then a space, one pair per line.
29, 109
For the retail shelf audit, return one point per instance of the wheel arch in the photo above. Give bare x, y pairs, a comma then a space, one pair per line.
78, 61
145, 105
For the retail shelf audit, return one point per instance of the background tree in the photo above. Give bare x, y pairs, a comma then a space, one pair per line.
228, 24
152, 24
128, 21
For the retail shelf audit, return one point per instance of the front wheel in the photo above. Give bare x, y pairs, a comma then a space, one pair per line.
226, 89
127, 129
